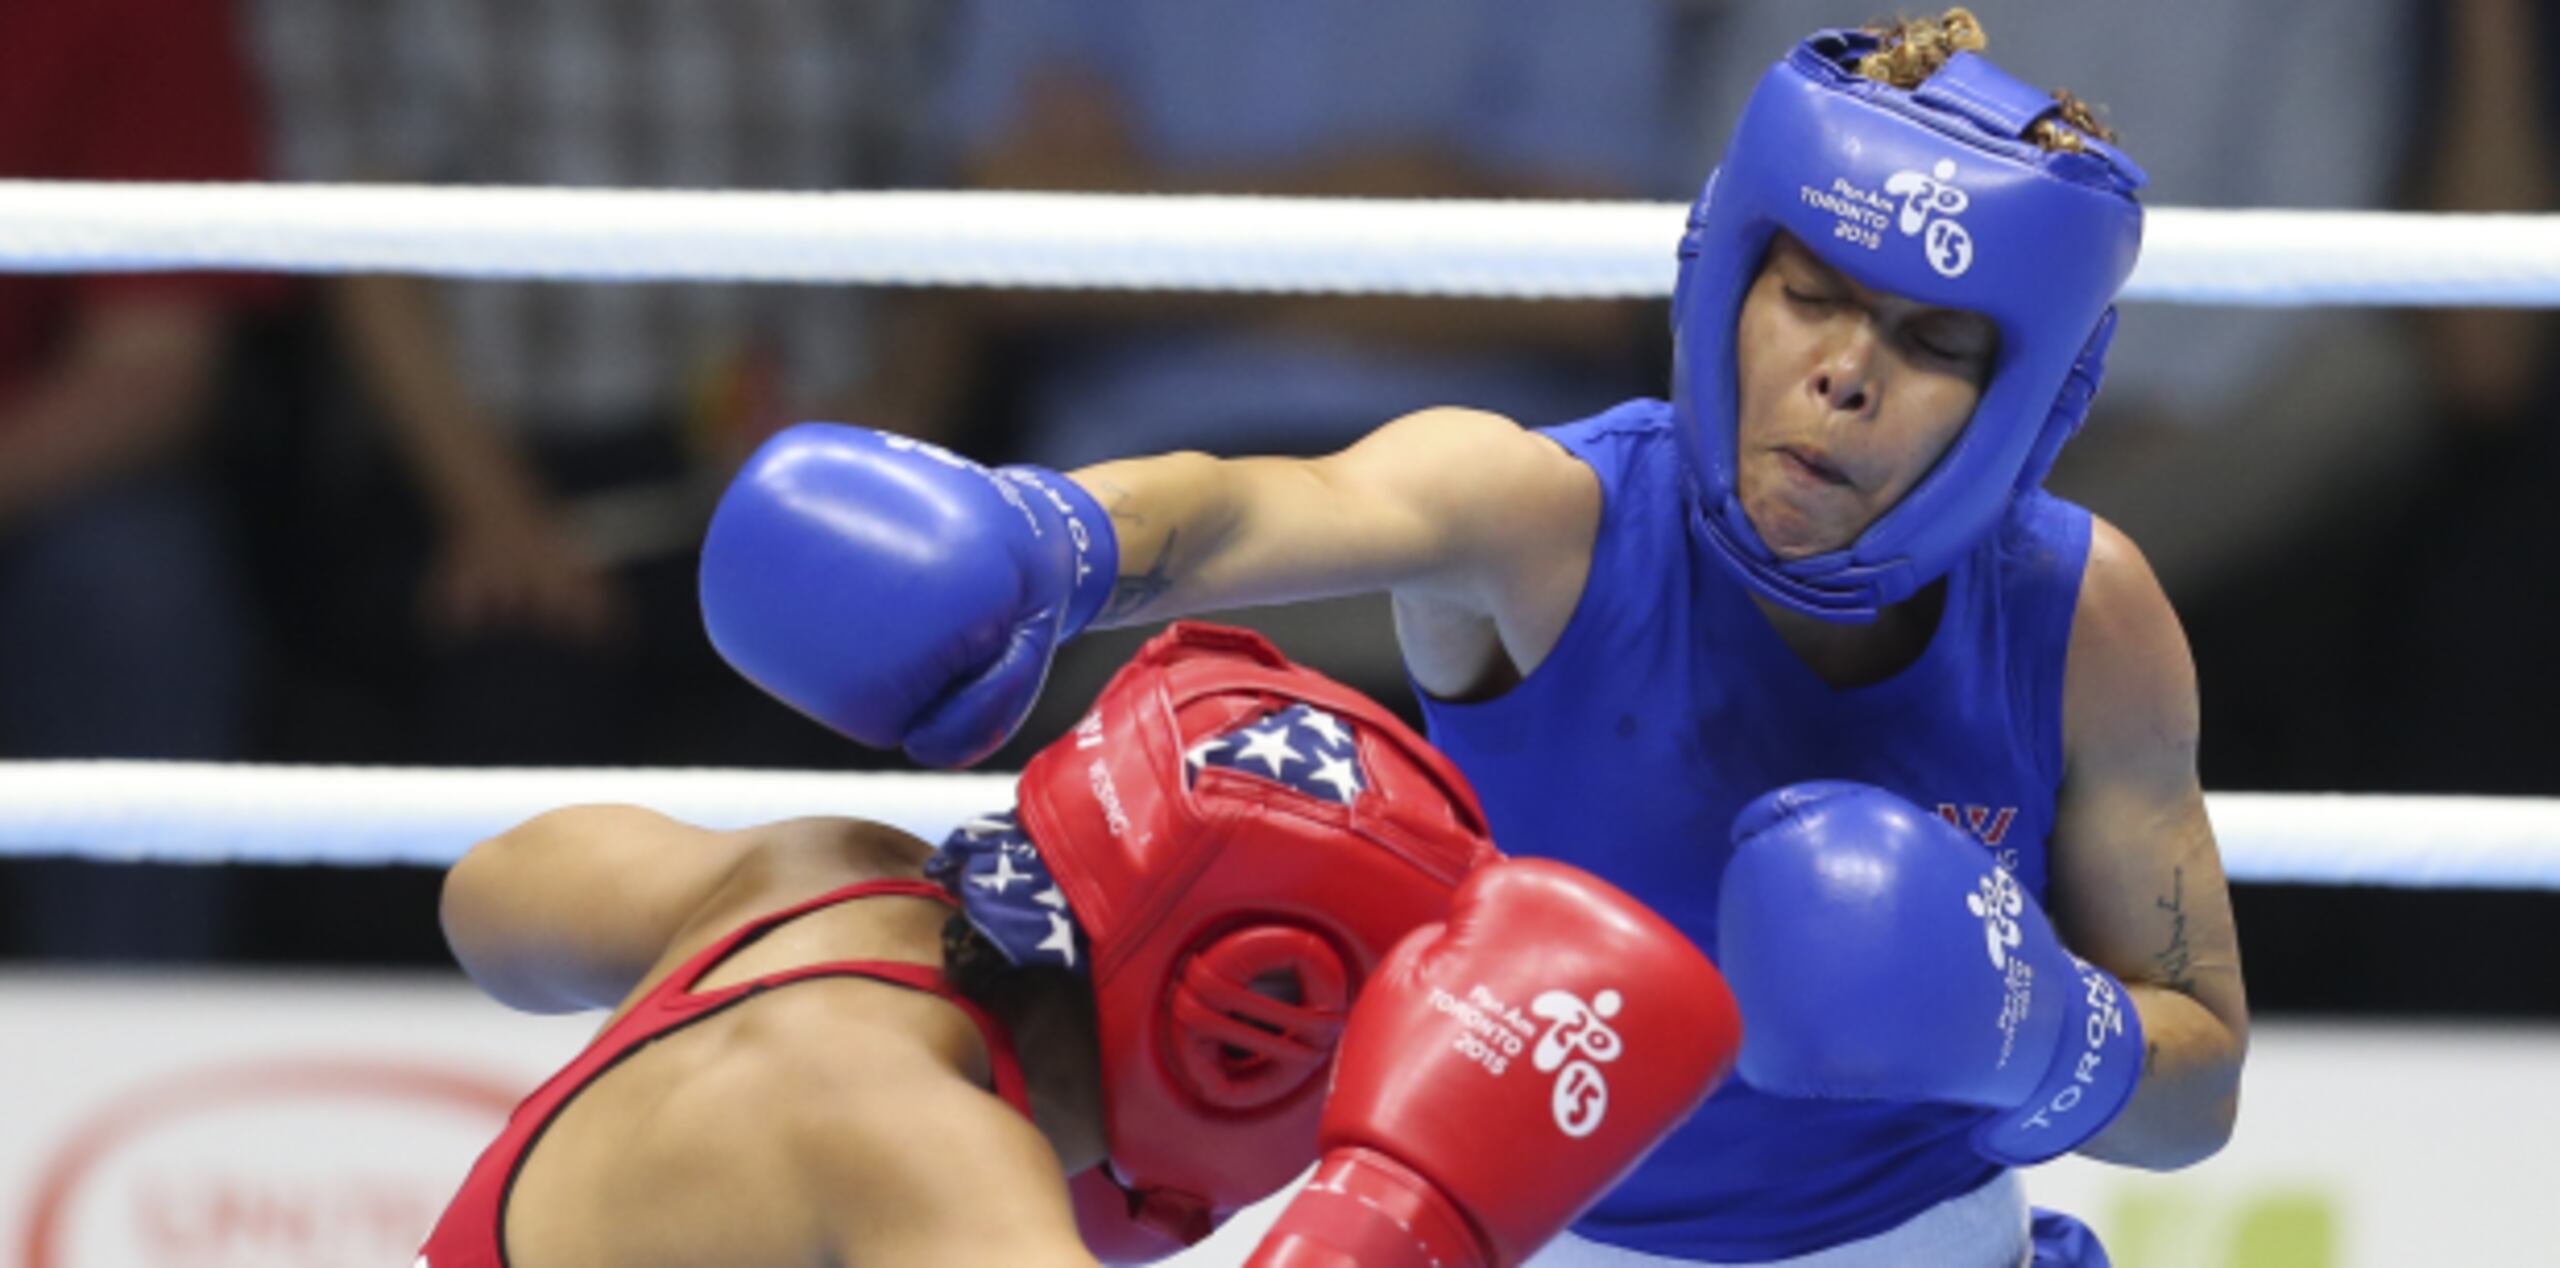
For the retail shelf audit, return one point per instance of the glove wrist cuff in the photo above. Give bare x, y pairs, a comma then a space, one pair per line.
2096, 1063
1363, 1207
1095, 563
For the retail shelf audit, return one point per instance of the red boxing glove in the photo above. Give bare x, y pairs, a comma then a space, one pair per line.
1502, 1071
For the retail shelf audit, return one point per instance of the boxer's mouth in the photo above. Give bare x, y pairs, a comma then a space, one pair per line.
1815, 463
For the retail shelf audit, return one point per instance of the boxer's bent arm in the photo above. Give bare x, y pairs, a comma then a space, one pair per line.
1444, 503
568, 910
2137, 882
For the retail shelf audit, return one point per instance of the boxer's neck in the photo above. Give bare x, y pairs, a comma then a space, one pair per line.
1055, 1038
1857, 655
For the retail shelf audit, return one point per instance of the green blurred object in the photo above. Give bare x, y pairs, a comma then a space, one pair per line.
2187, 1227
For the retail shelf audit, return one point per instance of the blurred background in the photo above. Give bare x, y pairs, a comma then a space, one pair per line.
399, 520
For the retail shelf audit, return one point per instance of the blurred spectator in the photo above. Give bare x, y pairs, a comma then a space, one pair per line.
1401, 98
2403, 642
1387, 98
566, 440
2468, 609
123, 627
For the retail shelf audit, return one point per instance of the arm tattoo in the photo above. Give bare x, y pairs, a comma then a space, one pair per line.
2150, 1056
2177, 960
1131, 593
1118, 508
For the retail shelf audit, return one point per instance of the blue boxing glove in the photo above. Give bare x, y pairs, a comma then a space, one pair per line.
1878, 952
897, 592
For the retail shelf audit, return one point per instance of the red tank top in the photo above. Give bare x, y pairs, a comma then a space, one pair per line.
472, 1232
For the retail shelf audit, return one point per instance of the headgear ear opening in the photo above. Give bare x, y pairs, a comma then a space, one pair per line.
1259, 1011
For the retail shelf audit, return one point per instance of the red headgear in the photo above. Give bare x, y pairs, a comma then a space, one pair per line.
1237, 888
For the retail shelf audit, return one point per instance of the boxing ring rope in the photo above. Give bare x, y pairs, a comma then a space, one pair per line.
191, 813
1525, 250
179, 812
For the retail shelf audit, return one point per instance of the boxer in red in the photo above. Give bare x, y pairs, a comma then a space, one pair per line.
832, 1044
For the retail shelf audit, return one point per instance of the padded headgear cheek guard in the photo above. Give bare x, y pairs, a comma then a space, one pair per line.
1934, 194
1241, 840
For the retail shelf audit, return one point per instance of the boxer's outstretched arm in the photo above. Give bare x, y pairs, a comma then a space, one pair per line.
1449, 504
909, 598
2137, 883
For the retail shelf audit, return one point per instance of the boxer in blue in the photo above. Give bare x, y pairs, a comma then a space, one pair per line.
1805, 657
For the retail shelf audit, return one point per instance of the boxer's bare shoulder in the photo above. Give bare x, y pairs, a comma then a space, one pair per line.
1515, 515
2128, 665
788, 861
578, 907
1492, 489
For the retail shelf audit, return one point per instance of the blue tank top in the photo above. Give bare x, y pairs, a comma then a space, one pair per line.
1668, 702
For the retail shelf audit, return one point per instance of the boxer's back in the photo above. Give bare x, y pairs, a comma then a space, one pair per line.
678, 1136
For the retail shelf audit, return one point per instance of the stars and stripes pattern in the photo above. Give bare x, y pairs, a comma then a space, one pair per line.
1007, 894
1302, 748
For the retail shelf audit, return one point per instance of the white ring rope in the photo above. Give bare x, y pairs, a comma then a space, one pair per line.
1527, 250
370, 816
211, 812
364, 816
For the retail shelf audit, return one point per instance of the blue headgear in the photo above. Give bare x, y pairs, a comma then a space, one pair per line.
1933, 194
